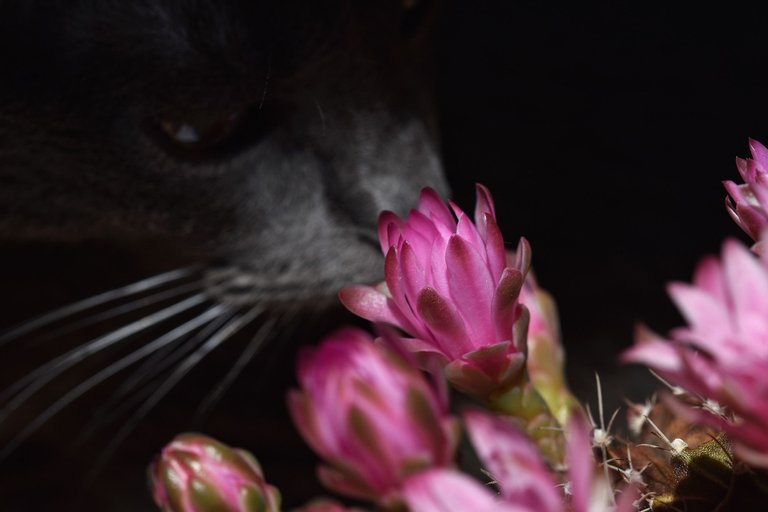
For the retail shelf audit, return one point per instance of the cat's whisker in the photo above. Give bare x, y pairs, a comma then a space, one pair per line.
24, 388
149, 370
287, 330
123, 309
108, 372
225, 333
264, 333
95, 301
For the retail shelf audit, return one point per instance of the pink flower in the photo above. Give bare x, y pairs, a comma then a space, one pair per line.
513, 461
326, 505
449, 287
373, 417
195, 473
525, 483
722, 355
748, 202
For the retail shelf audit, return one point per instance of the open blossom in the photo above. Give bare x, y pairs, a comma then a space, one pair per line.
195, 473
370, 415
524, 481
447, 285
722, 355
748, 203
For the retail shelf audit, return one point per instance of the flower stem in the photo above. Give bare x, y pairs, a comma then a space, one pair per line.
522, 403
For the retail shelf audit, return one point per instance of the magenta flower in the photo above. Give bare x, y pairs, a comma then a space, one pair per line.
513, 461
524, 481
449, 287
373, 417
326, 505
195, 473
748, 202
722, 355
445, 490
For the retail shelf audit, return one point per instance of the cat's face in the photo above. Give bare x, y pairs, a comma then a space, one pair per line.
265, 134
258, 137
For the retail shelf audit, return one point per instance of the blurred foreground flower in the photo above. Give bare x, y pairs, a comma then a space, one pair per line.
546, 357
326, 505
195, 473
373, 418
523, 479
748, 202
448, 286
722, 355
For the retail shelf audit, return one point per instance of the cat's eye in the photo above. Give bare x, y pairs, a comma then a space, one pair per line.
212, 134
200, 131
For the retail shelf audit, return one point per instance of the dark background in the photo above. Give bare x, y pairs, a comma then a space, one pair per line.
603, 131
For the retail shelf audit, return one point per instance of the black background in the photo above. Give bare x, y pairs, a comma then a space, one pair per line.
603, 130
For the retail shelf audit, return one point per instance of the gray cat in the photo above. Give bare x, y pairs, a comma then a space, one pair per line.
259, 139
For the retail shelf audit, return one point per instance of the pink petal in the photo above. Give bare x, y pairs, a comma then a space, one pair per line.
751, 219
759, 153
523, 256
423, 225
466, 230
341, 483
369, 303
471, 289
581, 462
494, 247
626, 502
388, 221
450, 491
438, 273
303, 419
412, 273
743, 168
433, 207
420, 241
469, 379
402, 309
662, 356
760, 190
483, 203
748, 281
709, 277
505, 301
703, 312
443, 319
514, 461
500, 362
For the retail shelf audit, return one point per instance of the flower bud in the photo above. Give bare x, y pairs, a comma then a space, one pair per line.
373, 418
195, 473
326, 505
747, 203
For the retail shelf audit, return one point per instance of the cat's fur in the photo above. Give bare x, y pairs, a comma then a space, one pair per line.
314, 115
336, 125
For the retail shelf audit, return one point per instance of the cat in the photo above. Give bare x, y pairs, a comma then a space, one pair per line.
254, 141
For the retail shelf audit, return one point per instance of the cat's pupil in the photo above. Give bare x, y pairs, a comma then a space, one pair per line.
194, 132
